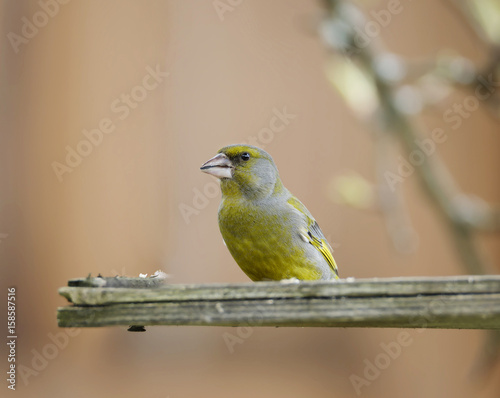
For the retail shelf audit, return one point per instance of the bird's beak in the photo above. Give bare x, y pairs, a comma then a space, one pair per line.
219, 166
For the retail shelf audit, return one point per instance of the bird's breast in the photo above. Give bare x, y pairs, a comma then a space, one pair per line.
260, 239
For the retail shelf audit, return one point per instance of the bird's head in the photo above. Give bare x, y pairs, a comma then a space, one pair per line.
244, 170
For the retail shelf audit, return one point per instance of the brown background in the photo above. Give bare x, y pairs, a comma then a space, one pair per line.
118, 211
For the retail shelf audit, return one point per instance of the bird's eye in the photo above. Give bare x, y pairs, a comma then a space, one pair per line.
245, 156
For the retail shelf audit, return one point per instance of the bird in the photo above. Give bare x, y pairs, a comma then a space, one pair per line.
270, 234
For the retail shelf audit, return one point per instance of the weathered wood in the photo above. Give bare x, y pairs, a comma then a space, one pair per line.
471, 302
119, 281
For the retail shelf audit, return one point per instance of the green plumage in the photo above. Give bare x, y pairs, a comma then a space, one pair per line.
269, 232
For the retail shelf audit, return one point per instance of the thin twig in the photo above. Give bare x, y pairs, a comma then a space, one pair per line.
462, 215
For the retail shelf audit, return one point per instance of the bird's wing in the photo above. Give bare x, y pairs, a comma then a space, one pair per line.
313, 234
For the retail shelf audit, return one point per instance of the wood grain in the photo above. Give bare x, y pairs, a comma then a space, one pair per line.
462, 302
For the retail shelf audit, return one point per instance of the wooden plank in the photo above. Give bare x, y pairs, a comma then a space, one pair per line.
156, 280
456, 312
471, 302
270, 290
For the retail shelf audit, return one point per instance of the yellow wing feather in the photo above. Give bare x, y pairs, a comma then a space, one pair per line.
314, 234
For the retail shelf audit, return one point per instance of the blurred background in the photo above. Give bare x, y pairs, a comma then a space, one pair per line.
108, 108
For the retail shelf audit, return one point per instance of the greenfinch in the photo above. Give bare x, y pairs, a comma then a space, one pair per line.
268, 231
